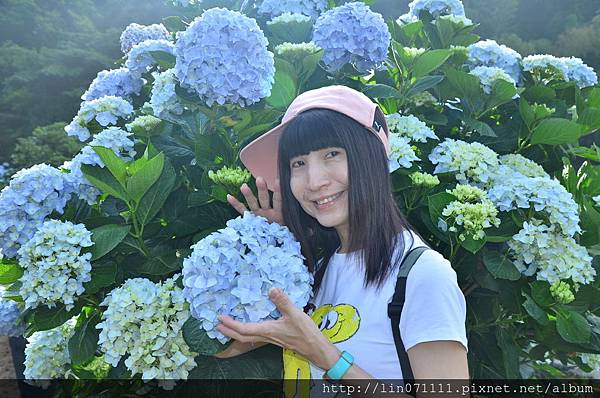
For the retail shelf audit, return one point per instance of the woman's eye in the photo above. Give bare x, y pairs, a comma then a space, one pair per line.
297, 163
332, 153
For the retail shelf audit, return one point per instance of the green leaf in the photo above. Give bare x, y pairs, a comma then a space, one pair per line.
173, 23
160, 265
500, 266
510, 353
466, 85
555, 131
139, 183
261, 363
482, 128
411, 29
430, 61
527, 112
424, 83
164, 59
115, 164
104, 180
102, 275
153, 200
573, 327
590, 117
9, 273
539, 94
83, 343
540, 291
106, 238
381, 91
284, 88
45, 318
472, 245
534, 310
436, 204
197, 339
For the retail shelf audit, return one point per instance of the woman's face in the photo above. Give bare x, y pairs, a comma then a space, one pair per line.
319, 181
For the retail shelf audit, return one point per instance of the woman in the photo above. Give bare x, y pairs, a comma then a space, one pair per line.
330, 155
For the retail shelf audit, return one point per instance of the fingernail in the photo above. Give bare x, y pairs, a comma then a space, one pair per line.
220, 318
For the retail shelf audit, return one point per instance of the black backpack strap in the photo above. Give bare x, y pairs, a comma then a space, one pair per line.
395, 310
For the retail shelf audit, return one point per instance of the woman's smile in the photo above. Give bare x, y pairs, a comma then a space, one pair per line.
327, 202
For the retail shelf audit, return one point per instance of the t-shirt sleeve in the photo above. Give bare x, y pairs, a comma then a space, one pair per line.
434, 307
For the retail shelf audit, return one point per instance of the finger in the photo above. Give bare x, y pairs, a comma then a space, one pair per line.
229, 332
277, 196
281, 301
245, 328
263, 193
250, 198
236, 204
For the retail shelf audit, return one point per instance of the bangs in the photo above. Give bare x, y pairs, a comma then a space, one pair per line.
311, 130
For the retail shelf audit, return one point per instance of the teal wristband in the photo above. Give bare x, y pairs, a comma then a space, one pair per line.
339, 369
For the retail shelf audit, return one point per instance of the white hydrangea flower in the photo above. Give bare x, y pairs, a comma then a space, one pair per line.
592, 360
54, 267
520, 164
471, 213
473, 163
144, 320
597, 200
296, 50
409, 126
513, 190
458, 19
289, 17
488, 75
545, 251
106, 110
47, 354
401, 153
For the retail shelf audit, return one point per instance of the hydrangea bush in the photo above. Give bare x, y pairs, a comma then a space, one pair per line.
486, 162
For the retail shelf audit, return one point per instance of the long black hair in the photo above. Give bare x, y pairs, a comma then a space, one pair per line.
375, 222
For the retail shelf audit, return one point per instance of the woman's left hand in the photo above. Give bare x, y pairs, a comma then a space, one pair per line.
295, 331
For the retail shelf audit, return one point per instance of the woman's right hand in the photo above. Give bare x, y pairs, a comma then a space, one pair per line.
260, 207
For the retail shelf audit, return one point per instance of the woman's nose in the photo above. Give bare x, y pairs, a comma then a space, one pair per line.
317, 177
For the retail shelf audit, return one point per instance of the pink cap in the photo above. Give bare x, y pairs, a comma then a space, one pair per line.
260, 156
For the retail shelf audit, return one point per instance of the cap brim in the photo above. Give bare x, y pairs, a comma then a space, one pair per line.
261, 155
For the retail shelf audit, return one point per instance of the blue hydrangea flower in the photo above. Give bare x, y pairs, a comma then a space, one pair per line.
10, 324
490, 53
578, 71
140, 60
434, 7
54, 267
310, 8
106, 110
567, 68
31, 196
222, 57
163, 99
136, 33
543, 194
352, 33
231, 271
118, 82
113, 138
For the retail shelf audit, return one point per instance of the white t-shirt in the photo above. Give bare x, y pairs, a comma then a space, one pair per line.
356, 320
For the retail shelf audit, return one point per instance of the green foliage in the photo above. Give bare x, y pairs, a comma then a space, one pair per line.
47, 144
